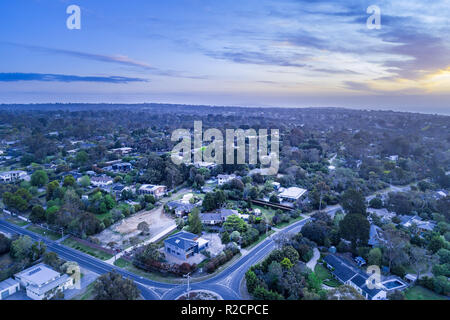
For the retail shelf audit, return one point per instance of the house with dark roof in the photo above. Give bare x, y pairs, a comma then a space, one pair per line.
353, 277
184, 245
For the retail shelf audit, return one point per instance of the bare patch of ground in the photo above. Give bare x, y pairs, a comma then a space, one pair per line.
122, 231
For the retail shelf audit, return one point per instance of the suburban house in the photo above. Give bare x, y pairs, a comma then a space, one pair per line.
184, 245
8, 288
207, 165
156, 191
376, 236
122, 167
180, 208
217, 218
122, 151
101, 182
225, 178
41, 282
422, 226
15, 175
353, 277
292, 194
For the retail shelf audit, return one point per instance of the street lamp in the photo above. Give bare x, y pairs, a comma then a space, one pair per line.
188, 276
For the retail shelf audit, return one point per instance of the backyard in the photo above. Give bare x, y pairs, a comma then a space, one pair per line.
325, 276
421, 293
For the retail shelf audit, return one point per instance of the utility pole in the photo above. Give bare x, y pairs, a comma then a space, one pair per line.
188, 276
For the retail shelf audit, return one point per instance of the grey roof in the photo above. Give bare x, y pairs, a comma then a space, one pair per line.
8, 283
344, 273
210, 216
39, 274
341, 270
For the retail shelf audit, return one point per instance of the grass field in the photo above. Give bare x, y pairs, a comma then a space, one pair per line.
17, 222
86, 249
325, 276
421, 293
44, 232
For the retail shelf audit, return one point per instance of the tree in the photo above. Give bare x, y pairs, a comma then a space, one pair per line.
69, 181
355, 228
394, 245
144, 227
21, 248
436, 243
274, 199
5, 244
234, 223
195, 223
286, 263
376, 203
37, 214
418, 260
81, 158
85, 181
39, 178
225, 238
374, 257
209, 202
51, 190
112, 286
354, 202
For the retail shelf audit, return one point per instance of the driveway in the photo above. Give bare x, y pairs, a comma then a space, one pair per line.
312, 263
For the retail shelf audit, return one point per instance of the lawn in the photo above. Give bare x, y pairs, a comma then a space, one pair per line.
421, 293
285, 224
325, 276
70, 242
16, 221
88, 293
44, 232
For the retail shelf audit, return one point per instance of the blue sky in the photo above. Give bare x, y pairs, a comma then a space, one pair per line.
252, 53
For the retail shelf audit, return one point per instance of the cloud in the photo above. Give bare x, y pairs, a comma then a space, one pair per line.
117, 59
48, 77
256, 57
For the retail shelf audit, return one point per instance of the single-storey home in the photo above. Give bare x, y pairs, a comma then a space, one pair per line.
8, 287
353, 277
101, 182
292, 194
225, 178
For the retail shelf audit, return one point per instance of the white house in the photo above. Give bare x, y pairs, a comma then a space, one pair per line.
11, 176
156, 191
8, 288
101, 182
41, 282
225, 178
292, 194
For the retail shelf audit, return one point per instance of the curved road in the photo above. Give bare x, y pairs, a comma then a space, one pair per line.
226, 283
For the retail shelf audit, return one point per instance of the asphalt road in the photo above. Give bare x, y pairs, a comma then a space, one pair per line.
226, 284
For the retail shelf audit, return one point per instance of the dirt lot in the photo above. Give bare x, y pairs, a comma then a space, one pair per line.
123, 230
126, 229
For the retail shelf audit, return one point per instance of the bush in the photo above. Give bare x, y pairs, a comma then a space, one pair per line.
398, 270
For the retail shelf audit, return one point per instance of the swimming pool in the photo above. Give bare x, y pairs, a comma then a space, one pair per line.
393, 284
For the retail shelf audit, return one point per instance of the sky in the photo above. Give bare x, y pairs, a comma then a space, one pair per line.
259, 53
